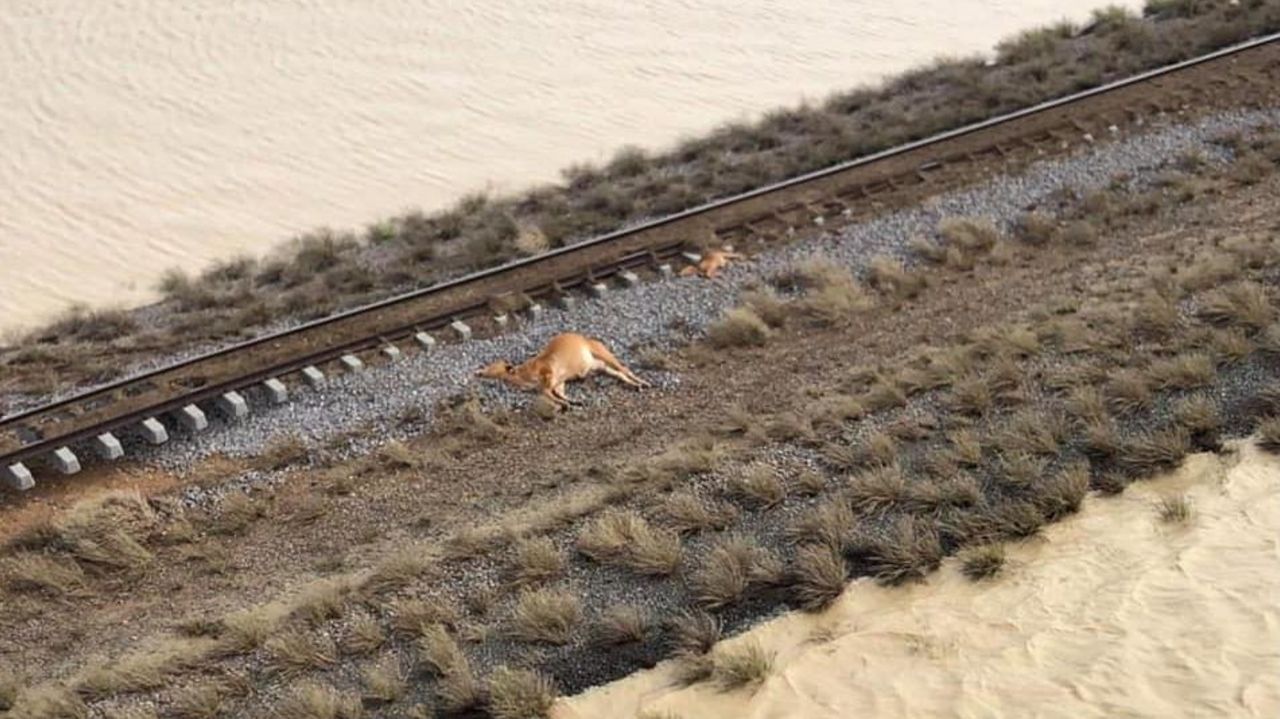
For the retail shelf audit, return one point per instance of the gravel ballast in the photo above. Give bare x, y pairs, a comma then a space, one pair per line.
648, 315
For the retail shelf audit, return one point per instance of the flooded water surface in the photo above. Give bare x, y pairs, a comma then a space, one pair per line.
137, 135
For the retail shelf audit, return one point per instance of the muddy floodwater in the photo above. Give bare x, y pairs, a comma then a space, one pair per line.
138, 135
1111, 613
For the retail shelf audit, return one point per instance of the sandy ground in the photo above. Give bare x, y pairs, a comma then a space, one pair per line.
1111, 613
156, 134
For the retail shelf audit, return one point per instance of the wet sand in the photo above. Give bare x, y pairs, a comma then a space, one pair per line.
141, 135
1110, 613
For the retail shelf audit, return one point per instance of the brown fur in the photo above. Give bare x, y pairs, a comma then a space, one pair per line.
712, 263
566, 357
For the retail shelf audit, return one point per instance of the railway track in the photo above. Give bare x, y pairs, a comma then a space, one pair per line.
262, 369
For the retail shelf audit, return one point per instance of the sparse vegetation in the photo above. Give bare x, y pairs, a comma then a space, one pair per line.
1174, 509
740, 327
546, 615
759, 486
742, 666
983, 562
818, 576
536, 560
623, 625
520, 694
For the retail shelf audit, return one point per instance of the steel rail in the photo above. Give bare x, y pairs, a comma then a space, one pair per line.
107, 394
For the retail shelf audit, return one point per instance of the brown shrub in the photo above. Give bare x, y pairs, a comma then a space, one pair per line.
982, 562
626, 539
545, 615
759, 486
520, 694
740, 327
818, 576
536, 560
1155, 451
623, 624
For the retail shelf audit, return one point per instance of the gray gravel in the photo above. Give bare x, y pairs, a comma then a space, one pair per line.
647, 316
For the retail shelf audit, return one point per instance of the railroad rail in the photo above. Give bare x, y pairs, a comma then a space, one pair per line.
834, 194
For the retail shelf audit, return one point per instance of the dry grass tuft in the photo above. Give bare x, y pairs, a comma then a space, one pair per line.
965, 447
440, 653
728, 568
364, 635
973, 234
312, 700
982, 562
767, 306
247, 630
624, 624
411, 616
971, 396
1035, 228
688, 513
296, 652
1198, 414
1128, 391
1155, 451
38, 572
832, 295
1269, 434
888, 275
747, 665
740, 327
828, 524
988, 523
818, 576
1018, 470
1191, 371
536, 560
1034, 432
324, 599
50, 702
396, 571
759, 486
693, 632
546, 615
1175, 509
626, 539
1231, 347
384, 681
878, 449
200, 701
235, 514
1245, 305
1088, 405
1061, 494
809, 482
520, 694
908, 549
